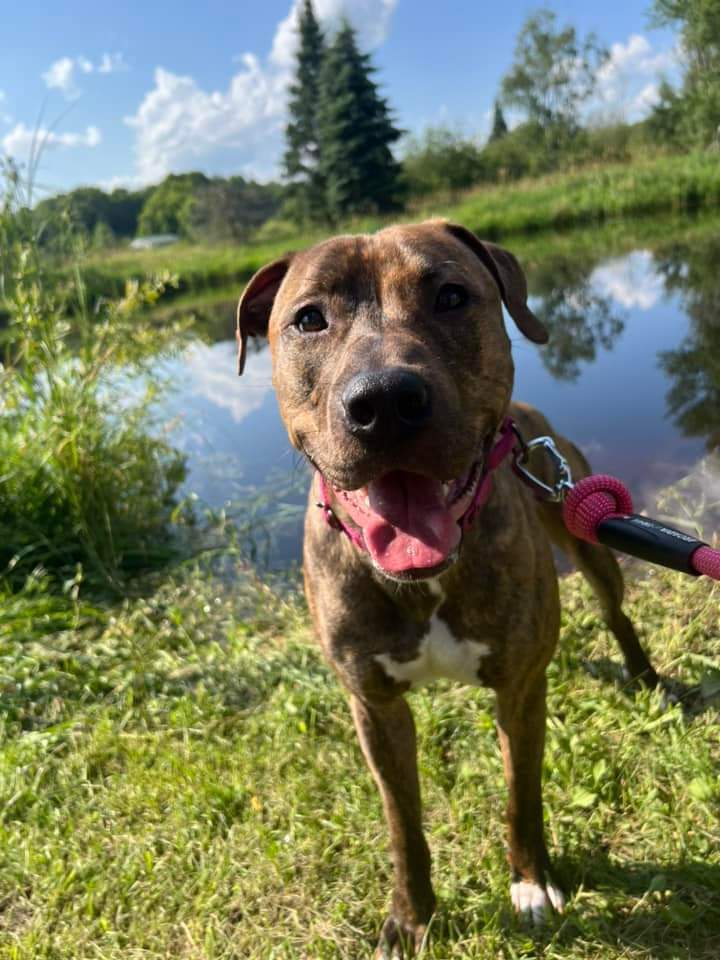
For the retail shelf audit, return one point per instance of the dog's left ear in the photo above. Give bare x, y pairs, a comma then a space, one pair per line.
256, 303
509, 277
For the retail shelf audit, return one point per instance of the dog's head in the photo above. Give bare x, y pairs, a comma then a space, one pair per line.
393, 371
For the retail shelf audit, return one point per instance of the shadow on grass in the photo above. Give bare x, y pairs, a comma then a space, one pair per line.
689, 696
672, 910
615, 909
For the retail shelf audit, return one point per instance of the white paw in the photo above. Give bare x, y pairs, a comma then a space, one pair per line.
534, 902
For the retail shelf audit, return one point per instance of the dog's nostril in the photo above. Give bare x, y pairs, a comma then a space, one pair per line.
379, 405
362, 412
412, 405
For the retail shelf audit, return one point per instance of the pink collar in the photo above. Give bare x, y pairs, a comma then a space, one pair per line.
502, 448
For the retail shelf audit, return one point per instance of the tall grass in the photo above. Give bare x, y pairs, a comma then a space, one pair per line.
85, 478
683, 184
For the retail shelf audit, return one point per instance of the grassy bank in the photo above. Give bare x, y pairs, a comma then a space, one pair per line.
179, 778
659, 186
591, 197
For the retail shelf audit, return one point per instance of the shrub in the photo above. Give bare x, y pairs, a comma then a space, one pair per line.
441, 161
84, 478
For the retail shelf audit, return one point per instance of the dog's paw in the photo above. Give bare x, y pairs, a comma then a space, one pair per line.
400, 941
535, 902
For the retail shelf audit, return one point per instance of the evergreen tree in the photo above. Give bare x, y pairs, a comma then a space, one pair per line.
355, 132
499, 127
300, 162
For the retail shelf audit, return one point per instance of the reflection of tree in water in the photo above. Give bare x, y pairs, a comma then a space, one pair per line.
212, 321
578, 318
694, 366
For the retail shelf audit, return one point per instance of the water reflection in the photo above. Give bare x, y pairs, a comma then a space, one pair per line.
632, 373
579, 317
630, 281
210, 371
693, 368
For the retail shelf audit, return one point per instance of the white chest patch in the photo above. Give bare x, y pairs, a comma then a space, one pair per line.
441, 654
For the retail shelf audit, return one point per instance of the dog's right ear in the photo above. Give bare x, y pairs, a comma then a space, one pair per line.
256, 302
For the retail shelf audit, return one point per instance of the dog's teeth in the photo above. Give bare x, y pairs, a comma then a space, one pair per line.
367, 501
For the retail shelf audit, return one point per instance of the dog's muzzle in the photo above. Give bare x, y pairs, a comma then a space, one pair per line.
410, 524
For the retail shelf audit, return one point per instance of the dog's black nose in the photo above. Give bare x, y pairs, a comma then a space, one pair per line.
384, 403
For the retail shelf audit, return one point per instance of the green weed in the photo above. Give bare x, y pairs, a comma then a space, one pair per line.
85, 477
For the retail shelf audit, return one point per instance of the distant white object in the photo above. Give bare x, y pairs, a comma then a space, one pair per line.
157, 240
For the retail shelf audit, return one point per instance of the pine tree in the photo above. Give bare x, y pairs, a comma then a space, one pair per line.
499, 127
355, 133
300, 162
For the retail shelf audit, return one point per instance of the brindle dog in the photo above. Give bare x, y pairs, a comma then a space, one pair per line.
393, 373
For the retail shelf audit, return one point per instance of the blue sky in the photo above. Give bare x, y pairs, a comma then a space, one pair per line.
157, 87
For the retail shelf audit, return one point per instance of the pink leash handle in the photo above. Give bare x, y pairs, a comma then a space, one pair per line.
599, 509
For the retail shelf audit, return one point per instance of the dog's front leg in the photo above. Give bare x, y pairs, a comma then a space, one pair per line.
387, 736
521, 729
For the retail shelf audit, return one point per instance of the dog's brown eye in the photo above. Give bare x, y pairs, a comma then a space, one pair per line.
450, 297
310, 320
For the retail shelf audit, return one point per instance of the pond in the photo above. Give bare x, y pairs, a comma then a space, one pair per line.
631, 374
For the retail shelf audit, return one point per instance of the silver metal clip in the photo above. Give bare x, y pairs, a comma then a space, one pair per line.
563, 475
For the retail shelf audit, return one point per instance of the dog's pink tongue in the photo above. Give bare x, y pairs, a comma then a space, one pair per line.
408, 526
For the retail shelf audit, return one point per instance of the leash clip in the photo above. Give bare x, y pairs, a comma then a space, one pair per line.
563, 476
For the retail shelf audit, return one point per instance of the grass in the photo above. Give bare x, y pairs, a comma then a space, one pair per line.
179, 778
87, 479
670, 185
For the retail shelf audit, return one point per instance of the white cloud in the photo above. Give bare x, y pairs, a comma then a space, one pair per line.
622, 54
21, 140
637, 55
211, 372
624, 90
178, 124
631, 281
112, 63
61, 74
648, 97
93, 137
371, 18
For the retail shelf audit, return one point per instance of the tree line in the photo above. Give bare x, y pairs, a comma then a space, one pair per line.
190, 205
551, 81
342, 158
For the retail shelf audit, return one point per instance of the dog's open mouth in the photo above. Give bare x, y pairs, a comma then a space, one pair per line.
409, 521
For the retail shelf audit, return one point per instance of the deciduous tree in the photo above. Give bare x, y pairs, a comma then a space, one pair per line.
553, 73
692, 114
